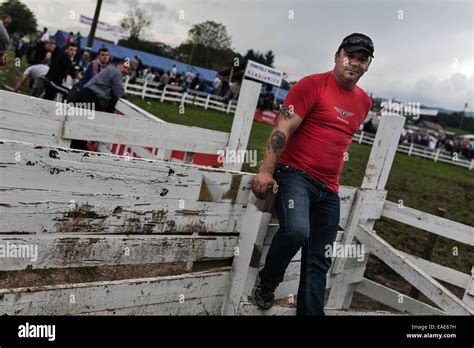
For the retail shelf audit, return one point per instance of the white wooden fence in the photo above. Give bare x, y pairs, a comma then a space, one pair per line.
420, 151
82, 209
149, 89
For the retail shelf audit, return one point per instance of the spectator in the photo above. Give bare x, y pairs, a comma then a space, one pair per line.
150, 75
102, 93
188, 78
195, 82
70, 37
20, 47
84, 60
104, 89
173, 73
44, 35
134, 70
216, 85
139, 67
77, 39
432, 142
59, 69
37, 54
165, 78
5, 21
36, 74
207, 88
224, 88
92, 69
157, 76
230, 93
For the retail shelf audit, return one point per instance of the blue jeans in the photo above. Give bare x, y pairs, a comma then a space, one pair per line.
308, 214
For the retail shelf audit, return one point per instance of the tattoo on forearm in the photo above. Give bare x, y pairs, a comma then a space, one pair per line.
278, 141
287, 112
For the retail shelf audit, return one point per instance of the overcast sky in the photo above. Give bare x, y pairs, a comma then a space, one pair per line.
424, 49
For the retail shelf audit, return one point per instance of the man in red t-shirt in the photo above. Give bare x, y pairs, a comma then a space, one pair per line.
303, 161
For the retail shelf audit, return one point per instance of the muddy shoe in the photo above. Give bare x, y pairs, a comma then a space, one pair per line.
263, 297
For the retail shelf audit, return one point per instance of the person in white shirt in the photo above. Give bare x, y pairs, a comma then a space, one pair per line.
45, 35
36, 73
150, 75
188, 78
173, 74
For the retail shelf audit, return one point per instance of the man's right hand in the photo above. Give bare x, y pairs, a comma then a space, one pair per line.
262, 182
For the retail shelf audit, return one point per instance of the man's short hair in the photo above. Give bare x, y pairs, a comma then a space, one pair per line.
103, 49
71, 44
125, 61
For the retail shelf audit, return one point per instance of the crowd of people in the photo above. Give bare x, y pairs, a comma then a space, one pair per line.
186, 81
93, 80
97, 82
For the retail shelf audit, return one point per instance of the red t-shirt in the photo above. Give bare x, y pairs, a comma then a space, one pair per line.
331, 116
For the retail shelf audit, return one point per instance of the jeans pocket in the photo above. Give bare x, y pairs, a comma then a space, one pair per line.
288, 169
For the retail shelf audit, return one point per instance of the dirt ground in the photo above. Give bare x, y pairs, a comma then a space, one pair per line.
376, 271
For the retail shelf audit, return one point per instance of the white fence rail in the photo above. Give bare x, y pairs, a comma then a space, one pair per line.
154, 90
420, 151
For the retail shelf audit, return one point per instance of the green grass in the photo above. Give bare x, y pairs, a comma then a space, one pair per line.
420, 183
10, 73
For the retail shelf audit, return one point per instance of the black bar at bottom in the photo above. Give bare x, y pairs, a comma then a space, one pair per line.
425, 330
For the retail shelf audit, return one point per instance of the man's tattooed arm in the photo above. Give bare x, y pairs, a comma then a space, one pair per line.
277, 142
287, 112
287, 123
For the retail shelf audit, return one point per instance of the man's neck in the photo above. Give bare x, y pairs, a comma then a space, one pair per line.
347, 85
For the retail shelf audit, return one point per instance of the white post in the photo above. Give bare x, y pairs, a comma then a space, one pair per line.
376, 175
437, 155
410, 150
228, 106
125, 86
207, 101
243, 120
471, 165
183, 98
163, 93
247, 254
468, 297
144, 89
361, 137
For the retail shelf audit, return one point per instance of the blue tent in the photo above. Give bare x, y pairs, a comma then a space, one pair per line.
148, 59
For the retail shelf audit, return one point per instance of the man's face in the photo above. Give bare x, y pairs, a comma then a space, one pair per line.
86, 55
50, 47
71, 51
351, 66
7, 21
104, 57
123, 68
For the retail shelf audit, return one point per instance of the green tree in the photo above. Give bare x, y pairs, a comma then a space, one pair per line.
210, 35
24, 21
136, 20
267, 58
